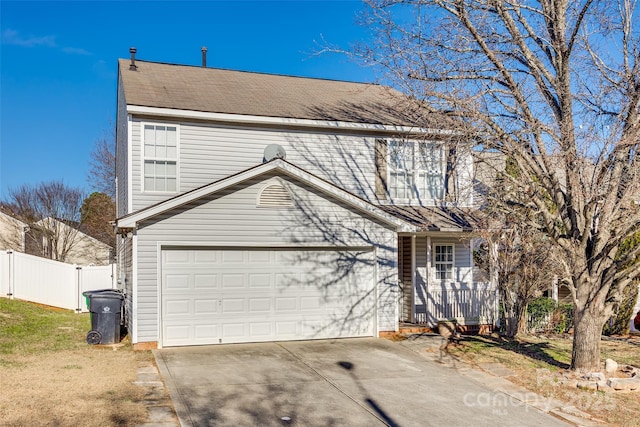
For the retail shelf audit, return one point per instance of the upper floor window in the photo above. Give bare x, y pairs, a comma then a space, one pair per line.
160, 145
415, 170
443, 262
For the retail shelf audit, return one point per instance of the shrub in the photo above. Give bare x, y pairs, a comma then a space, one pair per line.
539, 313
562, 320
548, 316
619, 323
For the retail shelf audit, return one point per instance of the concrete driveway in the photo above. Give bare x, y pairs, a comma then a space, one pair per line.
347, 382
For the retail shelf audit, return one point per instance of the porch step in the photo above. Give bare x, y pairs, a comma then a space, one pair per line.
409, 329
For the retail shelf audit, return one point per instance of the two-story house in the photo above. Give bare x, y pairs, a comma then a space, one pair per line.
257, 207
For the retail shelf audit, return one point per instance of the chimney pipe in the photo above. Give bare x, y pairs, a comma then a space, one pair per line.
204, 56
133, 65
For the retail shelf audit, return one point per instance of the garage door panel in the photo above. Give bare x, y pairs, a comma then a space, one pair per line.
233, 331
177, 281
233, 257
177, 257
233, 305
310, 303
176, 333
259, 280
259, 305
287, 280
233, 280
260, 330
177, 307
286, 304
205, 281
256, 257
205, 332
206, 258
234, 296
206, 306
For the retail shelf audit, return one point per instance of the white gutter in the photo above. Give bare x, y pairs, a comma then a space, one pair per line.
278, 121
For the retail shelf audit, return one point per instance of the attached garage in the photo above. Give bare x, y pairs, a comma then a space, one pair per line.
231, 295
219, 265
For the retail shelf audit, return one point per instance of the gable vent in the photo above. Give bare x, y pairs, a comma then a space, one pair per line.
274, 196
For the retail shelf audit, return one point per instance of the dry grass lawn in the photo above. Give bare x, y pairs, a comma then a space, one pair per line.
49, 375
541, 363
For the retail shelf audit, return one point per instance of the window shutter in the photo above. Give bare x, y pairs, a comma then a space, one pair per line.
381, 151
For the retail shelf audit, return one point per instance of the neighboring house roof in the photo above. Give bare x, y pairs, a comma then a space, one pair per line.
215, 90
428, 218
277, 165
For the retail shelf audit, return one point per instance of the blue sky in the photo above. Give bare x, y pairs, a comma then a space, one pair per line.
58, 65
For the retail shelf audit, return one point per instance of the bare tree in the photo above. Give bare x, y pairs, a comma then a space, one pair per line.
102, 166
555, 86
522, 261
52, 212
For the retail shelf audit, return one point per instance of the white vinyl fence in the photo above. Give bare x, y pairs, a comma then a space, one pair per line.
49, 282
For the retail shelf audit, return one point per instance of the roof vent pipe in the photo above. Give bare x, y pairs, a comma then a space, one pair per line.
133, 65
204, 56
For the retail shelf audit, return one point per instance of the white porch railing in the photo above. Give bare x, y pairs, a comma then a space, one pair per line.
49, 282
468, 306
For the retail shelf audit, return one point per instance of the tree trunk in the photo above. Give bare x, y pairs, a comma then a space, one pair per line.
586, 339
510, 326
522, 324
510, 318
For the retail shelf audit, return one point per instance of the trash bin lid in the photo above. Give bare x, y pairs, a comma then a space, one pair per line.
106, 295
102, 292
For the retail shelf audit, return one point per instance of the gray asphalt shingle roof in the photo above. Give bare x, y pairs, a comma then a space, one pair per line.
238, 92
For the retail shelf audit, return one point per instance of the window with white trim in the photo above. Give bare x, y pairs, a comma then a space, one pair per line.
160, 153
416, 170
443, 262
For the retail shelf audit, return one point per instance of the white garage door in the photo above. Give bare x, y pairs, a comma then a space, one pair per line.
212, 296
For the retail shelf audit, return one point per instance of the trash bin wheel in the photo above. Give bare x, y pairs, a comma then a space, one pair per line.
94, 337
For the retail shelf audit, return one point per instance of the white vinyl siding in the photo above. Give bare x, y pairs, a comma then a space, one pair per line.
416, 171
160, 155
231, 218
122, 156
208, 153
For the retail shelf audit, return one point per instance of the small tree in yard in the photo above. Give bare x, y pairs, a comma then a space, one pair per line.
52, 212
521, 258
96, 214
555, 86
